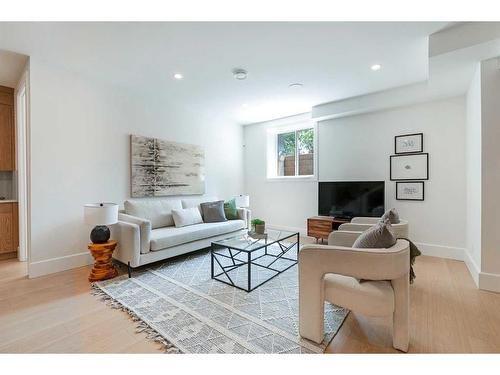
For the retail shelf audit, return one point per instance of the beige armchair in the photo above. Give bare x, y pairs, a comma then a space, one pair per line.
360, 224
330, 273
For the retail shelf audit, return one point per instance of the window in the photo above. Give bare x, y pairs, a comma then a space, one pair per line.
294, 153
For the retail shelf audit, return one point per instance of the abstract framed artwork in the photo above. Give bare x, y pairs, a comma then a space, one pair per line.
409, 143
161, 168
410, 191
409, 167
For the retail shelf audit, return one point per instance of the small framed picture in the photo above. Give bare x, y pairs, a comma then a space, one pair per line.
409, 143
409, 167
410, 191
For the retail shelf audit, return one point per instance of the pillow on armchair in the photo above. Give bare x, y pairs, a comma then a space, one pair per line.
392, 215
379, 236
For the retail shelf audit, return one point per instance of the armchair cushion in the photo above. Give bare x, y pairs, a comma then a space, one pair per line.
378, 236
372, 298
392, 215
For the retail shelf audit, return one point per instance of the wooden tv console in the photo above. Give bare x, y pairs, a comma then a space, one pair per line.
320, 227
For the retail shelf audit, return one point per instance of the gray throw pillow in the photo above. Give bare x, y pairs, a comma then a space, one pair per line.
377, 237
392, 215
213, 212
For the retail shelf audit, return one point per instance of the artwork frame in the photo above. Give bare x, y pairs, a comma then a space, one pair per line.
410, 190
409, 143
161, 168
409, 167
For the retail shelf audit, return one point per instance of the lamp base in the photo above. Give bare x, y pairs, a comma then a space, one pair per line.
100, 234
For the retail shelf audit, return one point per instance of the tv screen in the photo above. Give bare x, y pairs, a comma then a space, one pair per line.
350, 199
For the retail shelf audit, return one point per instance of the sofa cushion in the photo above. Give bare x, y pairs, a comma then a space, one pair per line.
213, 212
379, 236
186, 216
158, 211
163, 238
195, 202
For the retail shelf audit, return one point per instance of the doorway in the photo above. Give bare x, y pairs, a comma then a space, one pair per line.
14, 167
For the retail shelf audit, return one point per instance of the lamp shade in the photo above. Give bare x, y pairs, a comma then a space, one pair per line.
242, 200
100, 213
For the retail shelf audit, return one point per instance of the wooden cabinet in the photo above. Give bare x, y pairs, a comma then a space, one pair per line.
7, 129
9, 230
320, 227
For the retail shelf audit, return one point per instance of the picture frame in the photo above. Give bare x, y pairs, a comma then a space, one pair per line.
410, 190
409, 143
409, 167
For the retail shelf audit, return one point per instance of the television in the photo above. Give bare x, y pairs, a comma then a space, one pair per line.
350, 199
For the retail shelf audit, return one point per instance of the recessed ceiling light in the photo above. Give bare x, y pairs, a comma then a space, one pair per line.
245, 105
376, 67
240, 74
296, 85
178, 76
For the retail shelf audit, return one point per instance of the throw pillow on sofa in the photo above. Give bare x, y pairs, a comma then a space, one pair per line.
392, 215
213, 212
230, 210
379, 236
187, 216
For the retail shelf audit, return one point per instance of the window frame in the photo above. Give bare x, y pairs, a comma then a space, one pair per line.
272, 151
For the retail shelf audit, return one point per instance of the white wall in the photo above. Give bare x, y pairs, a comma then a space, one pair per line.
358, 148
473, 173
483, 175
80, 153
490, 136
280, 203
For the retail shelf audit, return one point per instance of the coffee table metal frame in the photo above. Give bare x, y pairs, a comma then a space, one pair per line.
236, 262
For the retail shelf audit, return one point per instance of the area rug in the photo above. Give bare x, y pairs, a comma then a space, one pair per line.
178, 304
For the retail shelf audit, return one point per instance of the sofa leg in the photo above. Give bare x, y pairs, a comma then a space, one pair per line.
129, 269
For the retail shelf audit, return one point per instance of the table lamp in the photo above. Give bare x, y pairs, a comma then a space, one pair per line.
100, 215
242, 200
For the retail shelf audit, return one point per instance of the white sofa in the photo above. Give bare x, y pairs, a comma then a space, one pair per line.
140, 242
330, 273
360, 224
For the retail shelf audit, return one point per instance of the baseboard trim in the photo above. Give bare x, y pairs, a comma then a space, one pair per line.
489, 281
440, 251
473, 267
302, 231
64, 263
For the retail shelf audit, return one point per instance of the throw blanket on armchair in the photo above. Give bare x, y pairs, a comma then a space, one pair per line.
414, 253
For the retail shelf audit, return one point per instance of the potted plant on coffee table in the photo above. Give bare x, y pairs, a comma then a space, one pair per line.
259, 226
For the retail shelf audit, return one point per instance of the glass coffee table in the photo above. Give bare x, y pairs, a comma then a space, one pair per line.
247, 261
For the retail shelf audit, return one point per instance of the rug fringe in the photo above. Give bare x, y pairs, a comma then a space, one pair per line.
142, 326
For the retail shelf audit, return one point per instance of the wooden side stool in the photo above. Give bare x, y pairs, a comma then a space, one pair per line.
103, 266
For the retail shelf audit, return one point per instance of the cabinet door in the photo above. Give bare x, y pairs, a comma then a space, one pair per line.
6, 137
6, 228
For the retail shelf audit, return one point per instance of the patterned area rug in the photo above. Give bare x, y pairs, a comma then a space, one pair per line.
179, 305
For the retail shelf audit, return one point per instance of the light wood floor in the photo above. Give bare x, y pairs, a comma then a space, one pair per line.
57, 314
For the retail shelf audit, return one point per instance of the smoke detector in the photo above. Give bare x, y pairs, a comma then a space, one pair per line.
240, 74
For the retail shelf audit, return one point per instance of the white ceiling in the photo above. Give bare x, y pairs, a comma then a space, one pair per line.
331, 59
11, 68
